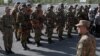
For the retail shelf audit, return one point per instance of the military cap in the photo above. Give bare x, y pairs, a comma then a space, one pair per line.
83, 23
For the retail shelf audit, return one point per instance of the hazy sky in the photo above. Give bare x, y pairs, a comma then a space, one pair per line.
82, 0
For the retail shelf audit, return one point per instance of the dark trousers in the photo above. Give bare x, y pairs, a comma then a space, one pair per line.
97, 28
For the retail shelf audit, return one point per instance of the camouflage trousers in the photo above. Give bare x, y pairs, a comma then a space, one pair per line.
70, 27
8, 39
49, 32
37, 35
24, 36
17, 33
60, 31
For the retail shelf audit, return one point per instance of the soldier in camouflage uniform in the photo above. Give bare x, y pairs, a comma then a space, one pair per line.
22, 20
60, 22
80, 13
7, 23
14, 14
37, 23
87, 43
75, 15
50, 19
29, 12
86, 11
70, 20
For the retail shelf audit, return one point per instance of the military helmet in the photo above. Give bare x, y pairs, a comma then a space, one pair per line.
62, 4
39, 5
29, 4
24, 5
51, 6
18, 3
70, 7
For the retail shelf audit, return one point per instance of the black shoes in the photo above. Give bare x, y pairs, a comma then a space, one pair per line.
69, 36
17, 39
29, 42
9, 52
50, 41
38, 44
26, 48
61, 38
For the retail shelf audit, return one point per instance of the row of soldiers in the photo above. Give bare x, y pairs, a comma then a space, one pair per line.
23, 20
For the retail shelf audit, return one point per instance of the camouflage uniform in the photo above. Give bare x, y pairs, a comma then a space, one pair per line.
22, 20
51, 18
60, 22
75, 16
29, 12
14, 14
86, 11
86, 45
7, 30
97, 23
82, 15
37, 23
70, 21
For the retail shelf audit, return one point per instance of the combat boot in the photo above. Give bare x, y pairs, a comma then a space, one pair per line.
69, 36
25, 47
7, 52
60, 38
38, 44
11, 52
50, 41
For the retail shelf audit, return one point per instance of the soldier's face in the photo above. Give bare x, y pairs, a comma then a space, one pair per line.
7, 11
81, 29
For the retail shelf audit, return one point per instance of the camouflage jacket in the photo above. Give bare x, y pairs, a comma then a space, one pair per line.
14, 14
6, 22
37, 18
22, 20
86, 45
70, 17
61, 18
50, 19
